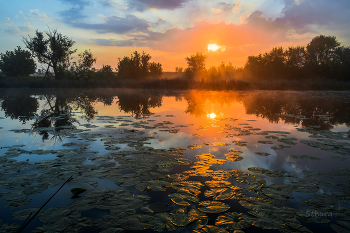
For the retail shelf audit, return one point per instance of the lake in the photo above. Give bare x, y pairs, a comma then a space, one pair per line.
183, 161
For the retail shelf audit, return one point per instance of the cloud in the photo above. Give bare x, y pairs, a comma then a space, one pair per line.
226, 8
13, 30
119, 43
8, 22
142, 5
80, 3
26, 28
159, 22
302, 14
117, 25
36, 15
75, 13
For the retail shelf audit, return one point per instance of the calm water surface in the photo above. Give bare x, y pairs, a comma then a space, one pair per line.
190, 161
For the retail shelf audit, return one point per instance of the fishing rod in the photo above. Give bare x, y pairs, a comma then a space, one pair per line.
27, 222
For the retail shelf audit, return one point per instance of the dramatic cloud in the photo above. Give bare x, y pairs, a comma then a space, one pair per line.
302, 14
142, 5
118, 25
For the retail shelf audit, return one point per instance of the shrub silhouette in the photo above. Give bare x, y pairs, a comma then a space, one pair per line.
137, 66
17, 63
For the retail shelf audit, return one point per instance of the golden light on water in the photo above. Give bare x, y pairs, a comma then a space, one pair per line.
211, 115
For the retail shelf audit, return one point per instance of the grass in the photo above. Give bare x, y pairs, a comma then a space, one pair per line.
176, 83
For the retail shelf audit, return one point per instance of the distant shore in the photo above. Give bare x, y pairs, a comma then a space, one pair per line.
174, 80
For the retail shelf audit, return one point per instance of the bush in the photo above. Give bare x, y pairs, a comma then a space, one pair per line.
138, 67
17, 63
106, 72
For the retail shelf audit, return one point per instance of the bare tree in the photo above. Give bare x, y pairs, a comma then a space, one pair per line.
51, 48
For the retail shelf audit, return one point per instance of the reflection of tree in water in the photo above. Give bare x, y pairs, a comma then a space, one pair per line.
138, 104
273, 107
56, 114
22, 106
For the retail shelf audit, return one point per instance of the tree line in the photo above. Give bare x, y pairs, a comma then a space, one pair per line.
55, 51
324, 57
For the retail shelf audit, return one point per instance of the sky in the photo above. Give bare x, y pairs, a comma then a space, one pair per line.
171, 30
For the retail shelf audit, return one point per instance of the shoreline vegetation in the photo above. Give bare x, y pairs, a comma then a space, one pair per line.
324, 64
178, 81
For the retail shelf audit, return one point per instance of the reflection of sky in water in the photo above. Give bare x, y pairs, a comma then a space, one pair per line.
214, 115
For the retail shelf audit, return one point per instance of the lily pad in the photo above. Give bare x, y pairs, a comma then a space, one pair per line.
211, 229
216, 144
264, 223
162, 223
233, 157
77, 191
239, 143
182, 198
156, 207
213, 206
194, 146
136, 222
262, 153
179, 217
231, 221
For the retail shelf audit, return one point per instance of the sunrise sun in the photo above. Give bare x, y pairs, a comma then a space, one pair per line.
213, 47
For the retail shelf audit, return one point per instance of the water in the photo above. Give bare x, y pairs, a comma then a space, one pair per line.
175, 160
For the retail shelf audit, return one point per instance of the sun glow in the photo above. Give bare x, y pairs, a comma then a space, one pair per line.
211, 115
213, 47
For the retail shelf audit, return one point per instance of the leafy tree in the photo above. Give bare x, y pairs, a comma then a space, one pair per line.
17, 62
155, 69
343, 66
83, 68
321, 55
137, 66
53, 49
106, 72
179, 69
255, 66
195, 64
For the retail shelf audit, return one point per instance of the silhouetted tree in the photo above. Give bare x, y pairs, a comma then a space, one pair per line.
17, 62
155, 69
106, 72
343, 66
295, 61
321, 55
137, 66
83, 68
195, 64
179, 69
54, 49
